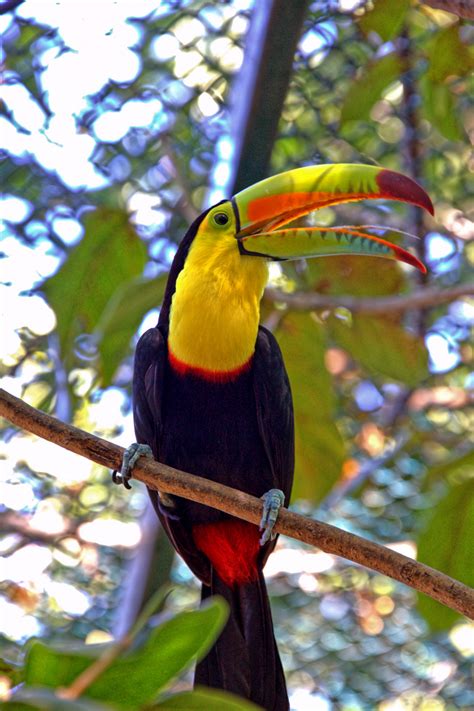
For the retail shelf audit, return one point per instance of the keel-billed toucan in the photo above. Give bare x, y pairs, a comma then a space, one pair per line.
211, 395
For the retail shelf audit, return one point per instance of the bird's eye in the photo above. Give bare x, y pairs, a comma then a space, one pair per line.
221, 219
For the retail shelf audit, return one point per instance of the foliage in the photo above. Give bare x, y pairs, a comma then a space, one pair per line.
133, 680
103, 171
453, 517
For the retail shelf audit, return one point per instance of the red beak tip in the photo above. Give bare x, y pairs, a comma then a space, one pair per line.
400, 187
409, 258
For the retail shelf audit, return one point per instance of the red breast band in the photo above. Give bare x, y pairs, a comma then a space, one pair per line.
212, 376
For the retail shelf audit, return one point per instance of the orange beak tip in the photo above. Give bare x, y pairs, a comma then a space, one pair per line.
400, 187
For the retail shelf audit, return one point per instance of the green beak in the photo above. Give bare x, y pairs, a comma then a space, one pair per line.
272, 203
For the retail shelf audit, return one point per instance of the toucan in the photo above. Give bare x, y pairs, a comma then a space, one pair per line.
211, 395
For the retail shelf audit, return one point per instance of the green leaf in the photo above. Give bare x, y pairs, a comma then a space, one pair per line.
446, 544
109, 254
355, 275
440, 109
46, 700
122, 317
368, 87
208, 699
456, 466
319, 445
135, 678
386, 18
447, 55
383, 347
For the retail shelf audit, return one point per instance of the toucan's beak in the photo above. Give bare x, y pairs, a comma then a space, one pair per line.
266, 206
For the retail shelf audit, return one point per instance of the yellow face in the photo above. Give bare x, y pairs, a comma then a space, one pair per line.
221, 220
218, 230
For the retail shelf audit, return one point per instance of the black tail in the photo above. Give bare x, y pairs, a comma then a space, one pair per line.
245, 658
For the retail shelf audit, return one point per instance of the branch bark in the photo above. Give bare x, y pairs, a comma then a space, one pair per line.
419, 299
330, 539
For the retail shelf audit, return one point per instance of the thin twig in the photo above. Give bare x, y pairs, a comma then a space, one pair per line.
91, 673
420, 299
95, 670
328, 538
367, 468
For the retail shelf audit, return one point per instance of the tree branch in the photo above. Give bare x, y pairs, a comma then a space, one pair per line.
461, 8
328, 538
9, 6
419, 299
367, 468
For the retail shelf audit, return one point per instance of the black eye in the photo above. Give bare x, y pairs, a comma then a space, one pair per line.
220, 218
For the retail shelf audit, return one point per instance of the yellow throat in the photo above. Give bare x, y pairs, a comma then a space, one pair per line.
216, 307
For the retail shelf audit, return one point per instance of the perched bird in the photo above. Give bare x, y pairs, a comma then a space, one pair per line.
211, 395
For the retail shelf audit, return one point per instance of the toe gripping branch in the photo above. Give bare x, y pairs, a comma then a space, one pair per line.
130, 457
273, 500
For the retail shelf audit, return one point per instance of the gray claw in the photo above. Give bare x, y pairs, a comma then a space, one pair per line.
130, 457
273, 500
166, 500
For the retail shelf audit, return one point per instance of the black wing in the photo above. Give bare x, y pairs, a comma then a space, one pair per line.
274, 410
148, 397
148, 387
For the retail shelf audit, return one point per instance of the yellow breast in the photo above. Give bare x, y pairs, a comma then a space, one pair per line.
216, 306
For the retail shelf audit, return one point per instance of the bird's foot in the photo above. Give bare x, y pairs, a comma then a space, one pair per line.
130, 457
273, 500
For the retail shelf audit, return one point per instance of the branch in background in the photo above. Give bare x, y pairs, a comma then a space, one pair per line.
366, 469
12, 522
419, 299
63, 399
136, 587
412, 153
185, 204
9, 6
443, 396
260, 87
461, 8
328, 538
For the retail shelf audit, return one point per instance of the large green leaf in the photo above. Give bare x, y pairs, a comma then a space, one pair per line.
136, 678
446, 544
319, 446
447, 55
121, 318
357, 276
439, 108
386, 18
109, 254
368, 87
203, 699
382, 346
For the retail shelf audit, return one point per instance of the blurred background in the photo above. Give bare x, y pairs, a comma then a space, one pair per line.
120, 122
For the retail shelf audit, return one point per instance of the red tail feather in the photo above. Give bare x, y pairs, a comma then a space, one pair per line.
232, 546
